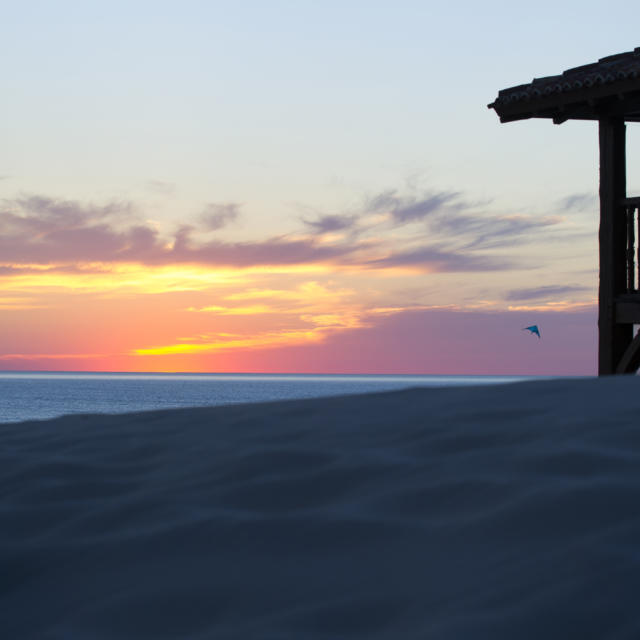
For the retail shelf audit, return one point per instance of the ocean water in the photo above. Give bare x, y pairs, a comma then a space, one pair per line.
43, 395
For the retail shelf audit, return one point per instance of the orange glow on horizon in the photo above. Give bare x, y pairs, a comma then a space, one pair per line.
287, 338
185, 317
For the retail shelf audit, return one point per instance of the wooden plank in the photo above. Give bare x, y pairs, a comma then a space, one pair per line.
630, 213
627, 308
627, 313
630, 361
614, 338
625, 105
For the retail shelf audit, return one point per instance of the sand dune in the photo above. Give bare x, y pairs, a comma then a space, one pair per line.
492, 512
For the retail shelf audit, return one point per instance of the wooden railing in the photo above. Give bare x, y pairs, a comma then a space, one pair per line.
632, 211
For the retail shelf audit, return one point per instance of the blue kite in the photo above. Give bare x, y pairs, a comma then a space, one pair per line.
534, 330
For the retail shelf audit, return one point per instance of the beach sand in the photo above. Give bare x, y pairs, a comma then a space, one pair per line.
509, 511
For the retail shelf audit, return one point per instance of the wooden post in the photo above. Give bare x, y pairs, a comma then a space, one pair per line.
637, 256
631, 249
613, 338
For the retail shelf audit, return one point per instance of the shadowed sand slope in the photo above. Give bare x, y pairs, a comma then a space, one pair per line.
492, 512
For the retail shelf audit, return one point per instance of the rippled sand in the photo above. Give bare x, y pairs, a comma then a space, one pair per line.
490, 512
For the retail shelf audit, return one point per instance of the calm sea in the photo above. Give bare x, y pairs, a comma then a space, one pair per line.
29, 396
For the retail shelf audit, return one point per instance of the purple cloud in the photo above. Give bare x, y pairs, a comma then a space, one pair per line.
460, 222
579, 202
273, 251
51, 213
442, 260
215, 216
41, 230
406, 209
549, 291
330, 223
488, 232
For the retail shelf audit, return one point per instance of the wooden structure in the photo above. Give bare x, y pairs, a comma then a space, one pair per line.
607, 91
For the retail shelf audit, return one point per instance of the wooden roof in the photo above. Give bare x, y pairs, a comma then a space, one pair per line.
609, 87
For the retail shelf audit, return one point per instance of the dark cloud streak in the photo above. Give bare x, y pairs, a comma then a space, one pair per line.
331, 223
408, 209
579, 202
537, 293
491, 232
441, 259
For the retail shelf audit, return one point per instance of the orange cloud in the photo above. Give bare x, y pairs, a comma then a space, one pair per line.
225, 342
559, 305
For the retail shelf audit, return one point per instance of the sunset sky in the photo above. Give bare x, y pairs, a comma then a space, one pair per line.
297, 187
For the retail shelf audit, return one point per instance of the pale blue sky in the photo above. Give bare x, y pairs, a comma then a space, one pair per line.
291, 107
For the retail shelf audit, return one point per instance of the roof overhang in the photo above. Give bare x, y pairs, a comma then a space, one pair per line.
607, 88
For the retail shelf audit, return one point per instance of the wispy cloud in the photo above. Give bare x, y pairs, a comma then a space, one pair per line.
53, 213
404, 209
439, 259
87, 268
579, 202
455, 221
483, 231
18, 303
331, 223
548, 291
451, 235
310, 299
216, 215
272, 251
40, 230
54, 356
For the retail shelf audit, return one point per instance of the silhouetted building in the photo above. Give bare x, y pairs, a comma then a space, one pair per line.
607, 91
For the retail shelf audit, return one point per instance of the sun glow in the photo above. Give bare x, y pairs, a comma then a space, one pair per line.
225, 342
100, 277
